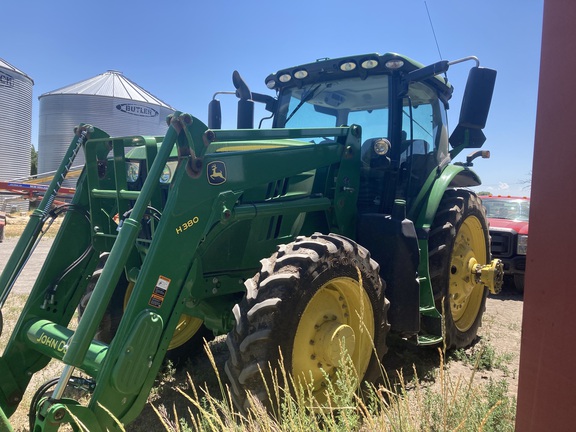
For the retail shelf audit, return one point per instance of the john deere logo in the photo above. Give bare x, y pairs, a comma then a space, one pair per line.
6, 80
216, 173
137, 110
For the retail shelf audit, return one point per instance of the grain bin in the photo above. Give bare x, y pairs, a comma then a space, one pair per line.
109, 101
15, 130
15, 122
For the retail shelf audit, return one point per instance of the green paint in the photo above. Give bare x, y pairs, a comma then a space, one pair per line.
190, 239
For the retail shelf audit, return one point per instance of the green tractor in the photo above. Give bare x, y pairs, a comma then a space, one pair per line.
341, 225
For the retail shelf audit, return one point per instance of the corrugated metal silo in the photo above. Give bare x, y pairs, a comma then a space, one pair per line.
15, 122
109, 101
15, 130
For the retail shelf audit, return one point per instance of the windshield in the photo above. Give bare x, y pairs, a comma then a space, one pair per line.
365, 102
337, 103
511, 209
415, 153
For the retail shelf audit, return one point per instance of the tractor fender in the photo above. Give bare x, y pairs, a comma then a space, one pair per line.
452, 176
424, 212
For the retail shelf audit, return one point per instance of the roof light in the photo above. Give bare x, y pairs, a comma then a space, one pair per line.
271, 84
285, 78
348, 66
394, 64
369, 64
300, 74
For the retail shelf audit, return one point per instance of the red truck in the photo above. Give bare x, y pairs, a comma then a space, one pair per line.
508, 218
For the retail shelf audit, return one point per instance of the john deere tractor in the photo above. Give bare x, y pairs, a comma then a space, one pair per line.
344, 223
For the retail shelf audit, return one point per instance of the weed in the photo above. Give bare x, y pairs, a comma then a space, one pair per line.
450, 404
483, 356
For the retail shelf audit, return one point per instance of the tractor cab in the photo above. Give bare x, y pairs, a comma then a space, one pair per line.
355, 95
399, 104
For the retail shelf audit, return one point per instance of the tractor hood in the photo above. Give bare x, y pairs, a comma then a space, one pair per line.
139, 153
521, 227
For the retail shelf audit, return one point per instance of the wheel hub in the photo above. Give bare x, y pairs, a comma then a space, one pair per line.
491, 275
333, 338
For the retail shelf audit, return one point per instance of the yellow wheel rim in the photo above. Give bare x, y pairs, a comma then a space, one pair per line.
466, 291
338, 315
186, 328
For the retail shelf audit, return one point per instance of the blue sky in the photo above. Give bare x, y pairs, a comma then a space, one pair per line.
183, 52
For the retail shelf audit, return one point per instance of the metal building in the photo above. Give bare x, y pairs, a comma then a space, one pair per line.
109, 101
15, 130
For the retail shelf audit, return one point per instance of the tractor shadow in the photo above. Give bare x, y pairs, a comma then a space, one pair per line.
166, 396
405, 361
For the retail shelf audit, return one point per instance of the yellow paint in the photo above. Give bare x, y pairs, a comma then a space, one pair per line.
50, 342
249, 147
186, 328
466, 290
188, 224
339, 316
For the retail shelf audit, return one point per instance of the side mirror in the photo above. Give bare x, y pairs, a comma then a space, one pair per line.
475, 107
214, 114
477, 98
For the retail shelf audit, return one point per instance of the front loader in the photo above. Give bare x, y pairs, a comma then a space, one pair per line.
343, 223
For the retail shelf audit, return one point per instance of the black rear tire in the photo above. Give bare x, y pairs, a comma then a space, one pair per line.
458, 239
305, 302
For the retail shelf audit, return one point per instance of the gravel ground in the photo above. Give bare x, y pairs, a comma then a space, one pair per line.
26, 280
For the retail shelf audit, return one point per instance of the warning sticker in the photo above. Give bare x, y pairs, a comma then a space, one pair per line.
155, 301
159, 292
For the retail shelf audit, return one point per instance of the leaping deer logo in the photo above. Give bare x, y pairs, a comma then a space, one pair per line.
216, 172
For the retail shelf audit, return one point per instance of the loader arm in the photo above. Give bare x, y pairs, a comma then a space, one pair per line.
214, 194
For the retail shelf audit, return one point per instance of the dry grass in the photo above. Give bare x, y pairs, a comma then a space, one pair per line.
15, 224
425, 394
425, 388
11, 313
454, 404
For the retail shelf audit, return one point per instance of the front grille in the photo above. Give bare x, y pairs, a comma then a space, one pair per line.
502, 243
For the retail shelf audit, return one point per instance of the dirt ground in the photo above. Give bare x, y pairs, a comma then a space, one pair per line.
500, 332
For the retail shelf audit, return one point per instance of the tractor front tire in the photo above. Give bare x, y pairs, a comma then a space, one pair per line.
459, 240
312, 299
187, 340
111, 319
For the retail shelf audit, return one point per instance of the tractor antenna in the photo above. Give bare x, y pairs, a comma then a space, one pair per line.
433, 32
